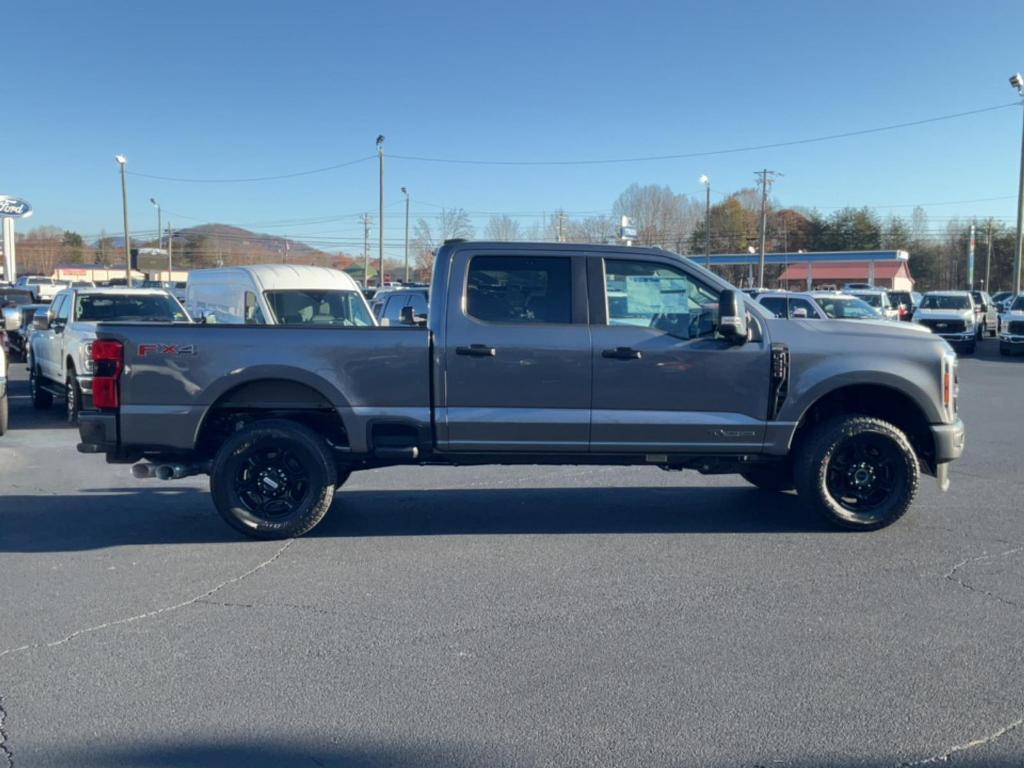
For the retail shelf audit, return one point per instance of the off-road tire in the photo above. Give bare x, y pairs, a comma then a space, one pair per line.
41, 398
828, 447
249, 454
776, 477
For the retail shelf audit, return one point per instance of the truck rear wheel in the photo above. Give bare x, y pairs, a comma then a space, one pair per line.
274, 479
857, 471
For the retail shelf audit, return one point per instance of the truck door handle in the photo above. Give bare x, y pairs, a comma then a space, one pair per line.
622, 353
475, 350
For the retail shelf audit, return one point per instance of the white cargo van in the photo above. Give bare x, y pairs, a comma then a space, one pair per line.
276, 294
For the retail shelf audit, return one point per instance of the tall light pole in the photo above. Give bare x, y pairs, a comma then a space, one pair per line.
380, 213
366, 252
406, 193
170, 252
1017, 81
122, 161
707, 220
159, 232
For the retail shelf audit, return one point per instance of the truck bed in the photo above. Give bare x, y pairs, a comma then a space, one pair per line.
174, 372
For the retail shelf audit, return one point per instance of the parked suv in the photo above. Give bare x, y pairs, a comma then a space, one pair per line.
60, 362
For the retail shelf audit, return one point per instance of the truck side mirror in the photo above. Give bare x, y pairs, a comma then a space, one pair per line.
732, 317
800, 312
41, 321
408, 316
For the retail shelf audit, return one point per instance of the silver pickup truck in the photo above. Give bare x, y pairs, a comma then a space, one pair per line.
534, 354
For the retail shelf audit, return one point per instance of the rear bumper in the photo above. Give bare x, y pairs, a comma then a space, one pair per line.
98, 430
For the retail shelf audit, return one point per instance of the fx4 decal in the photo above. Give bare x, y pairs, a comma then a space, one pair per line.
169, 350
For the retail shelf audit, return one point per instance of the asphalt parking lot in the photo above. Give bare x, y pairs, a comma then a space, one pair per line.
512, 616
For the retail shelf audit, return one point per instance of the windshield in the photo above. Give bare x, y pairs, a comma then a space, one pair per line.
97, 307
937, 301
308, 307
838, 308
874, 299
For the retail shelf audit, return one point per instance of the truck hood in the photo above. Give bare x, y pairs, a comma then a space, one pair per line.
943, 314
863, 329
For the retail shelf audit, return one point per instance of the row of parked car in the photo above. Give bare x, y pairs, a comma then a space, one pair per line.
960, 317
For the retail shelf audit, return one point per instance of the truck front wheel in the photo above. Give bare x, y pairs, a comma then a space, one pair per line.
274, 479
857, 471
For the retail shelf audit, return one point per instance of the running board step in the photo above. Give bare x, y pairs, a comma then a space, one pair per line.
410, 453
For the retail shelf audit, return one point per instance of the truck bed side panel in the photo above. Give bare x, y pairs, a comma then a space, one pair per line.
173, 373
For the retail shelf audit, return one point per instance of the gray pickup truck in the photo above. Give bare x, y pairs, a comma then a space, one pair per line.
534, 354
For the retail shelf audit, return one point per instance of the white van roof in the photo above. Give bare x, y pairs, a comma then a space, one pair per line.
283, 276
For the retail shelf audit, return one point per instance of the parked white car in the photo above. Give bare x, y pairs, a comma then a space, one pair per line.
817, 305
1011, 329
60, 348
986, 314
951, 315
276, 294
879, 299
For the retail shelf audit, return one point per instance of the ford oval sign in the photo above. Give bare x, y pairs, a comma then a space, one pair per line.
14, 208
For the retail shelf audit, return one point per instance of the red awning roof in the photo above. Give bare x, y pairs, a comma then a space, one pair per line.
843, 271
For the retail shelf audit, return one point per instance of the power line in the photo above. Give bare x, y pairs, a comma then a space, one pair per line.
256, 178
708, 153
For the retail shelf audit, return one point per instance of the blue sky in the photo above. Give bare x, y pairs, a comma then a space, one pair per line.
243, 89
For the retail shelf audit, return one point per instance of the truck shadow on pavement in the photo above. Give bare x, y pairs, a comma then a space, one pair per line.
262, 753
125, 517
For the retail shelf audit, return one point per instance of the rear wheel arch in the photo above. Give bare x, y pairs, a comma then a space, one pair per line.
269, 398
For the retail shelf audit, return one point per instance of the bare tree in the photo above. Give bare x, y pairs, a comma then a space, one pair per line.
660, 216
503, 227
451, 223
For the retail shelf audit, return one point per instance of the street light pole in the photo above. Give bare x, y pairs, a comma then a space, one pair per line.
159, 232
380, 213
406, 193
123, 162
1017, 81
707, 220
170, 252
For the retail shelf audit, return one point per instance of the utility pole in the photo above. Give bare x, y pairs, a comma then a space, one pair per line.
970, 261
123, 161
170, 251
406, 193
380, 213
159, 230
561, 226
1018, 82
366, 251
988, 259
764, 174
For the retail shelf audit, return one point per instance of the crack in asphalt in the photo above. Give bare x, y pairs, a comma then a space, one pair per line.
952, 576
5, 746
948, 754
156, 612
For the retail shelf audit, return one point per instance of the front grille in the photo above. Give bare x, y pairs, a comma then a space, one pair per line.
1015, 327
945, 326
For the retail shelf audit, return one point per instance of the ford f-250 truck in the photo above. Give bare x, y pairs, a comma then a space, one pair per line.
534, 354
